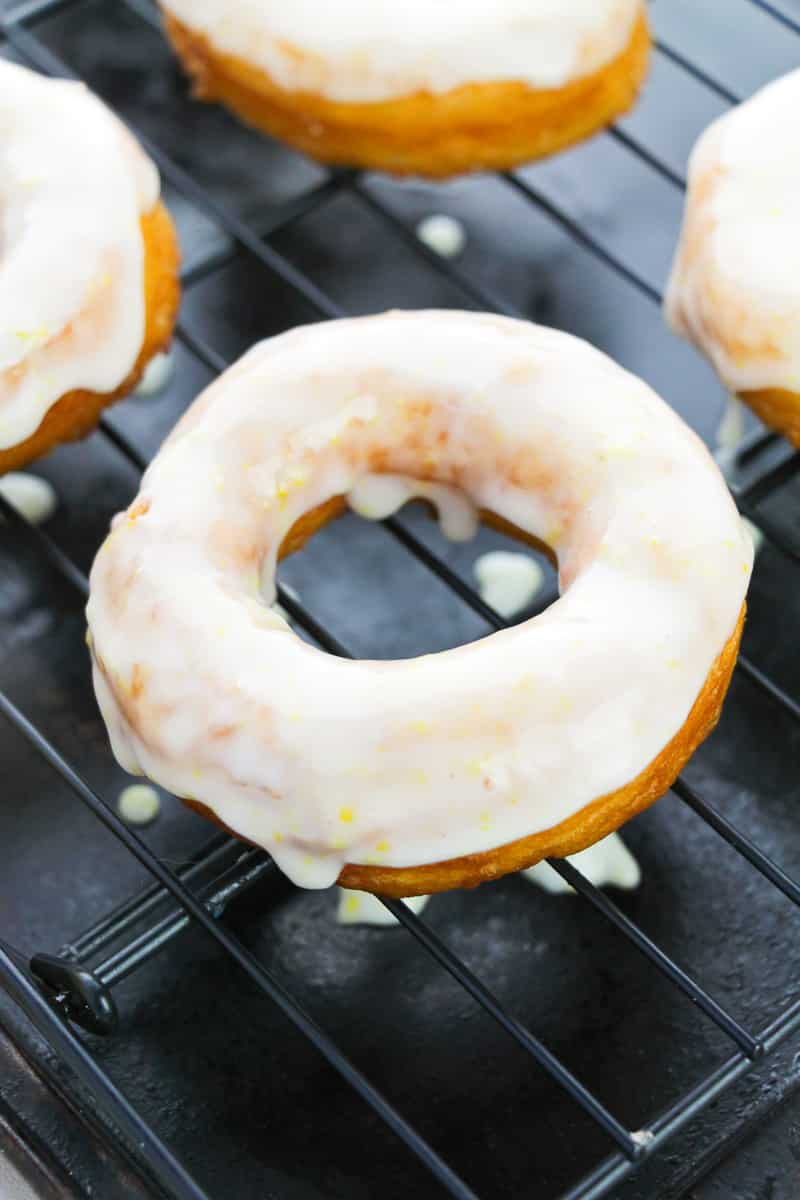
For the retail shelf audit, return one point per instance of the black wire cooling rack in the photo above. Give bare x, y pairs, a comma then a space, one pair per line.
61, 992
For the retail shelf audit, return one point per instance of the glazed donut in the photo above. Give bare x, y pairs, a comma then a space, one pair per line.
446, 770
734, 289
429, 87
88, 263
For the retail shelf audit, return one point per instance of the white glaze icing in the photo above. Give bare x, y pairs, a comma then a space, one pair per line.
378, 496
157, 374
507, 580
734, 288
139, 804
73, 187
442, 234
31, 496
362, 908
325, 761
369, 50
608, 862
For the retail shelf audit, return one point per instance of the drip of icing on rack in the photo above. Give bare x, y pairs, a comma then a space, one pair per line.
34, 498
508, 580
156, 375
444, 235
608, 863
139, 804
362, 908
730, 434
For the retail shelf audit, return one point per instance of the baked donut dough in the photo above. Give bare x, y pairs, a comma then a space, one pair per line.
88, 263
427, 87
734, 289
446, 770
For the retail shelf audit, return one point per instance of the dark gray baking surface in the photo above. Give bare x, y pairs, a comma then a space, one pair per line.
250, 1107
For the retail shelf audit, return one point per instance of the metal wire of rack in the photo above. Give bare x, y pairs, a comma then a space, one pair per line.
58, 992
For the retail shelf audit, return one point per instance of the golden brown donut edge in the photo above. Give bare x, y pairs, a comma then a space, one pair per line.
482, 126
76, 413
777, 407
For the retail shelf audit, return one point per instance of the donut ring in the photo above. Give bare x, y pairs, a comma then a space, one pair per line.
89, 274
454, 768
357, 89
734, 289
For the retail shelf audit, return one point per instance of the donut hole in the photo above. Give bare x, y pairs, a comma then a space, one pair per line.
391, 445
385, 603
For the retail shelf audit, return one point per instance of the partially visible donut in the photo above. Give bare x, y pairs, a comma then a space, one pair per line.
734, 289
424, 87
88, 263
445, 770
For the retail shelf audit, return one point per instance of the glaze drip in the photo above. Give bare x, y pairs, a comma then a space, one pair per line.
378, 496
